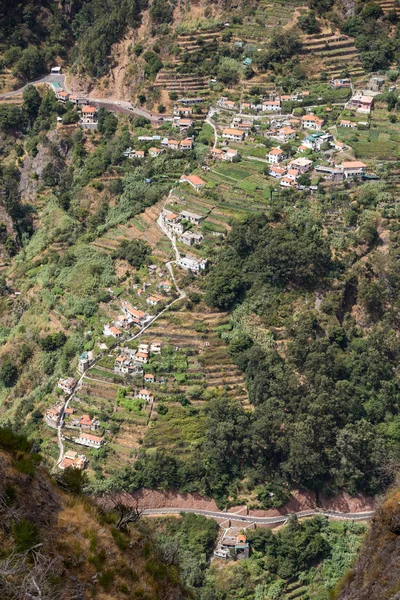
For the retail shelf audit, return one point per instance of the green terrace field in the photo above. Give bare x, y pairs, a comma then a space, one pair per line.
380, 142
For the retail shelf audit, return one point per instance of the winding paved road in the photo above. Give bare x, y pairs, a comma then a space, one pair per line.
357, 516
110, 104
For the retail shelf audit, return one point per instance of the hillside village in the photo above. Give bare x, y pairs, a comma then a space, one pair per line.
294, 145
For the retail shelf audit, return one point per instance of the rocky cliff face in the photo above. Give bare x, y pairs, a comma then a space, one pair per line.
377, 574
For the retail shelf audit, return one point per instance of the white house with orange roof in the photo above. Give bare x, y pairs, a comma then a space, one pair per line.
154, 300
186, 144
234, 135
154, 152
287, 182
312, 122
271, 106
286, 133
275, 156
88, 115
172, 222
194, 180
73, 460
173, 144
111, 331
88, 439
353, 169
145, 395
277, 172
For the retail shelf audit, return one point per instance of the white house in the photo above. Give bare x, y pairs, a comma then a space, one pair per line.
287, 182
348, 124
173, 222
111, 331
192, 264
88, 115
192, 217
186, 144
353, 168
271, 106
189, 238
196, 182
155, 152
229, 154
145, 395
153, 300
234, 135
275, 156
277, 172
87, 439
286, 134
312, 122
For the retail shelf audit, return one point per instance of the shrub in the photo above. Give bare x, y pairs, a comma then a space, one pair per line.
26, 535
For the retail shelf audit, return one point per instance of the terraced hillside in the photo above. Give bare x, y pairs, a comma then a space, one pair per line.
332, 53
389, 5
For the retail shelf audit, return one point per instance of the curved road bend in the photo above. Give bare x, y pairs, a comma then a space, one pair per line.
357, 516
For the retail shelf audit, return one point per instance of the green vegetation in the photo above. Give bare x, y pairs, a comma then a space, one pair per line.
304, 560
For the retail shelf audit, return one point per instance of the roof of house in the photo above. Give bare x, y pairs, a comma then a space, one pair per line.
62, 94
293, 172
88, 109
272, 102
288, 130
93, 438
194, 179
353, 164
149, 376
346, 122
187, 142
301, 162
142, 354
216, 150
139, 152
287, 180
86, 419
145, 392
311, 118
156, 150
185, 121
115, 330
134, 311
170, 216
154, 299
231, 131
276, 151
173, 142
280, 170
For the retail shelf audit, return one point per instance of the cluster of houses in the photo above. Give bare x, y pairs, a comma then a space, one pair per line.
288, 174
130, 361
233, 545
271, 104
130, 316
184, 145
177, 224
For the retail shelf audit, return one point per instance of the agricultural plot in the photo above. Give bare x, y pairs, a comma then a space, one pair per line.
377, 143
